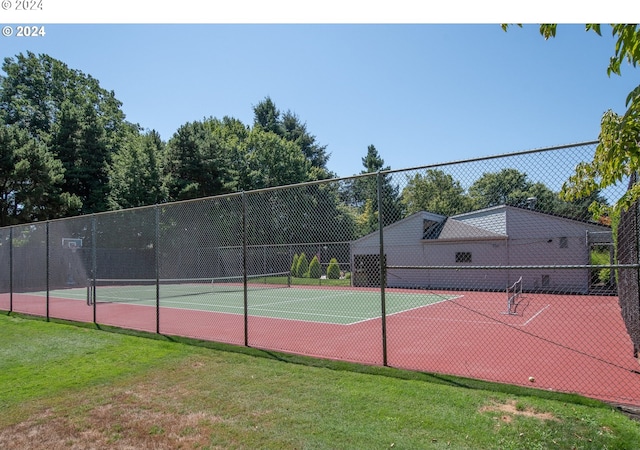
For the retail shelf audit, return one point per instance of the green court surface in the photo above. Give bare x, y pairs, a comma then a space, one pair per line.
323, 305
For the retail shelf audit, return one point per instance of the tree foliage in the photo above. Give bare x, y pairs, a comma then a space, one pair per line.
135, 172
333, 269
196, 162
499, 188
294, 265
271, 161
617, 155
302, 269
97, 161
314, 268
289, 127
361, 193
434, 191
79, 122
31, 180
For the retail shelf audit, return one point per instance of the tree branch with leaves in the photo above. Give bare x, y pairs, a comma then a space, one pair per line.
617, 155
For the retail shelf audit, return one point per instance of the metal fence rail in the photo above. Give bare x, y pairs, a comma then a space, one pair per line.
406, 268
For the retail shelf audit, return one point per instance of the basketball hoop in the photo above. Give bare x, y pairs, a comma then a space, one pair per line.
72, 244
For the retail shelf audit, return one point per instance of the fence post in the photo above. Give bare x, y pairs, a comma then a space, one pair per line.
94, 265
11, 269
47, 266
383, 271
244, 269
157, 262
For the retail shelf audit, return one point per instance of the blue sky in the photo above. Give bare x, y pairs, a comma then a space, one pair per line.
421, 93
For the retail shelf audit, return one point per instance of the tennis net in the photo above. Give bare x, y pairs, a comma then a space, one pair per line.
113, 290
514, 292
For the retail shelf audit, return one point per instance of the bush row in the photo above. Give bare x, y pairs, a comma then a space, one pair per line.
302, 268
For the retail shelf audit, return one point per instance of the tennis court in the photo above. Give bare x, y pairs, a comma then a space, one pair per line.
277, 301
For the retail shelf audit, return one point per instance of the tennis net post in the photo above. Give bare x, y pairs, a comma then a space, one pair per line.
514, 292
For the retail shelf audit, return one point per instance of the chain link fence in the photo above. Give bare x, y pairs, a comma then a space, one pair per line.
475, 268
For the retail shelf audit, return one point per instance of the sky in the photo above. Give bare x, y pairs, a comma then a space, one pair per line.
421, 91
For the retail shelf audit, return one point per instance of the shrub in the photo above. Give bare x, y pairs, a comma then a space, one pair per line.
294, 266
333, 270
303, 266
314, 268
604, 276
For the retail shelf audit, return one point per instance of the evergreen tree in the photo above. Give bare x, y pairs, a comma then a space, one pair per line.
333, 270
303, 266
314, 268
134, 175
31, 180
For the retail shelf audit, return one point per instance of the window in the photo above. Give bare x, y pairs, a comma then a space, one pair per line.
546, 281
463, 257
564, 242
431, 229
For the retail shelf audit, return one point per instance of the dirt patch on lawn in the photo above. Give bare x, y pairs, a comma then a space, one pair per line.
139, 416
512, 409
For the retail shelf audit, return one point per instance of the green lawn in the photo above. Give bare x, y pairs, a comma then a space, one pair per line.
75, 386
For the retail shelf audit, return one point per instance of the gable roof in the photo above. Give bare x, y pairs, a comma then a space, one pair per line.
427, 217
455, 230
505, 207
482, 224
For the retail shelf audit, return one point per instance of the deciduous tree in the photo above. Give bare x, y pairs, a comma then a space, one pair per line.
196, 162
434, 191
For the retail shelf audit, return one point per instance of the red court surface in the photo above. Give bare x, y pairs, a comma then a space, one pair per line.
568, 343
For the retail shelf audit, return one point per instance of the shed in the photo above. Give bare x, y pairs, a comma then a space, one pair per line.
487, 249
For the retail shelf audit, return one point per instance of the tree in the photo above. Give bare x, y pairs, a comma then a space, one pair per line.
504, 187
196, 162
271, 161
434, 191
579, 208
314, 268
79, 121
295, 131
134, 174
367, 220
79, 141
31, 180
35, 87
294, 265
289, 127
267, 116
617, 155
333, 269
512, 187
302, 270
362, 193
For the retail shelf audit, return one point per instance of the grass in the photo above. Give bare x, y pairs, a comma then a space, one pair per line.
601, 257
75, 386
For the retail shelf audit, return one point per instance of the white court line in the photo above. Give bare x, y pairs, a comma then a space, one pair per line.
410, 309
265, 307
535, 315
178, 304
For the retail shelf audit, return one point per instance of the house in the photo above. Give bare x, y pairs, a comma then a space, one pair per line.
487, 249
